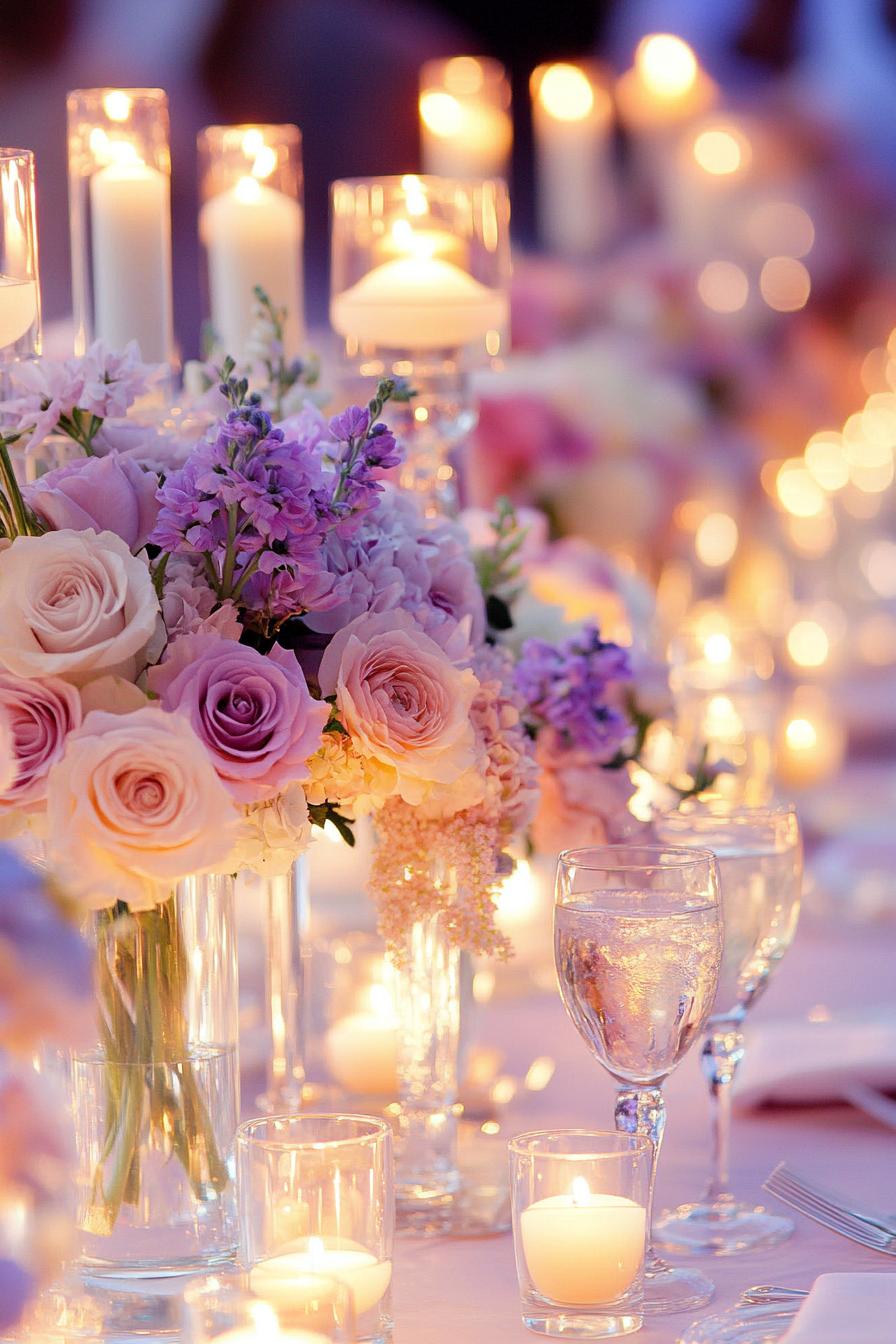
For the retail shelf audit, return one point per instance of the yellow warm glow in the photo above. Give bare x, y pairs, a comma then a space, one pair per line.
247, 191
722, 722
721, 152
666, 65
441, 113
414, 195
826, 461
716, 539
464, 75
801, 734
785, 284
117, 105
723, 287
566, 92
717, 648
808, 644
798, 491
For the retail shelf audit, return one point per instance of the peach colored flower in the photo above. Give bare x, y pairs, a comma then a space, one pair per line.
402, 701
9, 768
134, 805
582, 802
75, 605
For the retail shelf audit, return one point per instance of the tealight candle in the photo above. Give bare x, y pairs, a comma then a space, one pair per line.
289, 1279
251, 225
572, 119
583, 1248
362, 1048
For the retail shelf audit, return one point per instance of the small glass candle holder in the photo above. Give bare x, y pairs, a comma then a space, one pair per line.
19, 277
251, 227
420, 270
580, 1230
317, 1197
225, 1309
119, 167
572, 118
466, 129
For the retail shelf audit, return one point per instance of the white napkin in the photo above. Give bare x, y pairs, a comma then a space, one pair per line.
847, 1309
794, 1060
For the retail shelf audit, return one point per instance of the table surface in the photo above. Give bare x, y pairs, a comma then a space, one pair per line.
447, 1291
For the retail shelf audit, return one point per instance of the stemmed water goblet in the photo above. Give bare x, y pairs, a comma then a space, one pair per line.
759, 856
638, 945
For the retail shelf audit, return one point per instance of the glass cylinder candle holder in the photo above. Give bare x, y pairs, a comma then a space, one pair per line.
420, 270
19, 278
360, 1036
225, 1309
317, 1197
580, 1230
466, 129
251, 226
572, 117
120, 218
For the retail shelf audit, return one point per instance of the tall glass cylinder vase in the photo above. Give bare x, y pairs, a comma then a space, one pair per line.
285, 903
427, 994
420, 269
156, 1101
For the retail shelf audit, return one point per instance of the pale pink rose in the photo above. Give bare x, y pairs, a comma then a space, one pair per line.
190, 606
582, 803
113, 695
134, 805
402, 701
41, 712
75, 605
8, 765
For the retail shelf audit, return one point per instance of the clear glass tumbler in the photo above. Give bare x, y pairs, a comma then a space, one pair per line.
580, 1230
638, 945
226, 1309
317, 1197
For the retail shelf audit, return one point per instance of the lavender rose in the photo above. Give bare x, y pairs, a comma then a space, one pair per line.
75, 605
253, 712
402, 701
106, 493
41, 712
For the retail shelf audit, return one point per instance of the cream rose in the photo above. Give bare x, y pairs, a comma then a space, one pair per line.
75, 605
134, 805
403, 702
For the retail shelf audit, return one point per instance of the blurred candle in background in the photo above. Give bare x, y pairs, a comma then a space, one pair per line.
19, 279
251, 227
465, 124
120, 218
572, 115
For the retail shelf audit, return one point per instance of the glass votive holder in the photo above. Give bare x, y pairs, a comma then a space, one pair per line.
225, 1309
317, 1196
360, 1030
579, 1202
119, 166
19, 277
466, 129
251, 227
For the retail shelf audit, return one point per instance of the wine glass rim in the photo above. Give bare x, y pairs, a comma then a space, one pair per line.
627, 1143
685, 856
374, 1131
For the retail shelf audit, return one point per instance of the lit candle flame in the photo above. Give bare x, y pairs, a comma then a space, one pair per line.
666, 65
580, 1190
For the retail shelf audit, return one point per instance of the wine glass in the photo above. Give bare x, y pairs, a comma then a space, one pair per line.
638, 945
760, 863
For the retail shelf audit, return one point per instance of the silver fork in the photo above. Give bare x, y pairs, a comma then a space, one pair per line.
830, 1211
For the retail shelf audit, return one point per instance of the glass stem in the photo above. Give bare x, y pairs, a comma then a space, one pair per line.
722, 1052
642, 1110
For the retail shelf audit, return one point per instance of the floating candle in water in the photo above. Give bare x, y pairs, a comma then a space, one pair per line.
291, 1277
362, 1048
18, 308
583, 1249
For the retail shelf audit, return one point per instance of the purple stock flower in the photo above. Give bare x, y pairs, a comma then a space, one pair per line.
573, 689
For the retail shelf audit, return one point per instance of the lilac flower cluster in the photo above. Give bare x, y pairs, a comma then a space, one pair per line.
576, 689
360, 450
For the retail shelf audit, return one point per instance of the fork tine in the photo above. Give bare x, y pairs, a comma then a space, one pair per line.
852, 1229
783, 1184
830, 1200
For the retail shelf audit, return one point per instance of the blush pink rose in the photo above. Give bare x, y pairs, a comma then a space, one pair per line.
253, 712
41, 712
8, 765
402, 701
134, 805
582, 803
104, 493
75, 605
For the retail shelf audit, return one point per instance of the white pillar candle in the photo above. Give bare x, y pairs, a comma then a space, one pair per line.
290, 1279
572, 119
583, 1249
18, 308
130, 205
463, 139
418, 303
253, 236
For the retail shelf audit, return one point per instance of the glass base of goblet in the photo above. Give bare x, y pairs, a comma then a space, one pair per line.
668, 1288
722, 1227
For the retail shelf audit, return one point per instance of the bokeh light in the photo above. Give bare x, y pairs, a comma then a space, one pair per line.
798, 491
780, 229
666, 65
721, 151
566, 92
808, 644
785, 284
723, 286
716, 539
